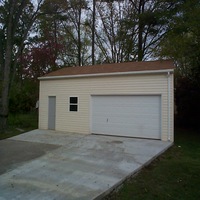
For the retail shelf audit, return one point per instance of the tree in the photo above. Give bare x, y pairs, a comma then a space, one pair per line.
113, 39
50, 33
93, 30
75, 29
152, 18
62, 22
16, 20
182, 43
131, 30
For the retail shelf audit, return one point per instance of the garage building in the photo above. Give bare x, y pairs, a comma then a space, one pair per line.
133, 99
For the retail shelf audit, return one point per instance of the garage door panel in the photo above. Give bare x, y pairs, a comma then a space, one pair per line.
124, 118
117, 123
130, 131
135, 116
127, 108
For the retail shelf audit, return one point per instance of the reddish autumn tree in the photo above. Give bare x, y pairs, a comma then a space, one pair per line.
38, 60
33, 63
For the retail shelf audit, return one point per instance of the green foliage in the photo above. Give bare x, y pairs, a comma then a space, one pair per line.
16, 20
21, 19
187, 96
183, 39
174, 175
20, 123
182, 43
23, 97
23, 120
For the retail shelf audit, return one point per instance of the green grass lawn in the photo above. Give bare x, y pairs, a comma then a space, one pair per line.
20, 123
173, 175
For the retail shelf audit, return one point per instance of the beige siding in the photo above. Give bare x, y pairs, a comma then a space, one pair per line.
84, 87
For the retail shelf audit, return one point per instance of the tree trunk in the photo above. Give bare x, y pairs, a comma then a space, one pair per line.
5, 93
79, 36
4, 103
93, 31
140, 31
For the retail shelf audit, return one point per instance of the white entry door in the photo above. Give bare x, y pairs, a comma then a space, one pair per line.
133, 116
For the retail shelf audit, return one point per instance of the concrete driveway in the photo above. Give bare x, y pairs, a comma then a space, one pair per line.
51, 165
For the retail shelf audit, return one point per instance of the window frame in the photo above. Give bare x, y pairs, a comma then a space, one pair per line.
73, 104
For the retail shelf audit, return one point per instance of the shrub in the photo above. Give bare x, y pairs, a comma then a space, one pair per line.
187, 95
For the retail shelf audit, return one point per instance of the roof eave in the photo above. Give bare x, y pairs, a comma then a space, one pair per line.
106, 74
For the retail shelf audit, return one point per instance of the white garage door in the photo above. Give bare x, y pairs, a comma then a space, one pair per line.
134, 116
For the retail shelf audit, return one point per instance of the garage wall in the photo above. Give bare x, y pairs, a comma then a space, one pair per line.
86, 86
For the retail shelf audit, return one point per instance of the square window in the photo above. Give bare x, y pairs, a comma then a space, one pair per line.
73, 108
73, 104
73, 100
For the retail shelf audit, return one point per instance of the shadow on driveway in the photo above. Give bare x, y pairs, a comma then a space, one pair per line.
14, 153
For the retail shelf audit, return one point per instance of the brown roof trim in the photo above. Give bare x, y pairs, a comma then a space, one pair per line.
114, 68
